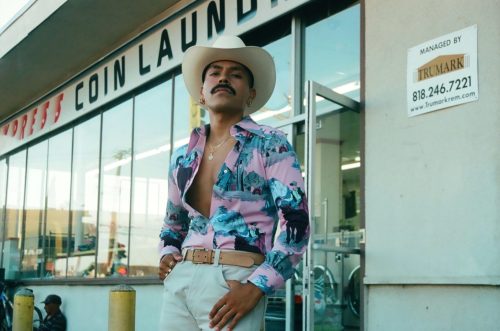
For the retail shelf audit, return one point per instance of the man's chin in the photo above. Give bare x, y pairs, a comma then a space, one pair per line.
226, 108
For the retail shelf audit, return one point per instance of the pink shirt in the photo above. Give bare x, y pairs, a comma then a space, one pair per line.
258, 189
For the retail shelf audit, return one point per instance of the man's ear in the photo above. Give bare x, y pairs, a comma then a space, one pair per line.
253, 93
202, 97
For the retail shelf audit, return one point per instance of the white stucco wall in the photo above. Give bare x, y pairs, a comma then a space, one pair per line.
432, 181
86, 307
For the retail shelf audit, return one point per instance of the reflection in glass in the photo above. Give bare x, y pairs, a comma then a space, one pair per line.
187, 114
32, 258
81, 261
337, 64
112, 256
14, 214
335, 214
278, 108
3, 187
58, 196
151, 160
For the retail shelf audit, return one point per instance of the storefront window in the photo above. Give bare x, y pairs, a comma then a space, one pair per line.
85, 183
332, 54
187, 114
58, 197
36, 176
279, 107
152, 127
113, 242
14, 214
337, 162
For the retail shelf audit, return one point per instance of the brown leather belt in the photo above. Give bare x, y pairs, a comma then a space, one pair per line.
207, 256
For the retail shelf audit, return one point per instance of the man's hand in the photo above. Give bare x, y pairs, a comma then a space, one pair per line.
167, 263
240, 299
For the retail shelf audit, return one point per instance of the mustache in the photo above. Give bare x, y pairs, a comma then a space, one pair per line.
225, 86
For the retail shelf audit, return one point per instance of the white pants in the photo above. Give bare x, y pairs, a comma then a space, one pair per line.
191, 290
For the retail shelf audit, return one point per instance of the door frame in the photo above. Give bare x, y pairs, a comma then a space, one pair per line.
312, 91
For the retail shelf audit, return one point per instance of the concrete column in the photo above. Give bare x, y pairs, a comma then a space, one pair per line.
23, 310
121, 309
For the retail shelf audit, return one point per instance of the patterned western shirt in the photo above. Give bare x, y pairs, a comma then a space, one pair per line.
259, 189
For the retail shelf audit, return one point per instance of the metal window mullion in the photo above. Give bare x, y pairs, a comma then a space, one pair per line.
99, 187
45, 206
296, 96
310, 152
4, 215
131, 199
172, 116
297, 74
70, 206
23, 217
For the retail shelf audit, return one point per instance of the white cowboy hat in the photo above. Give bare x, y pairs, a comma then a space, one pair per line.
231, 48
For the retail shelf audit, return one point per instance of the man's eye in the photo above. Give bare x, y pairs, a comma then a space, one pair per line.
214, 73
237, 75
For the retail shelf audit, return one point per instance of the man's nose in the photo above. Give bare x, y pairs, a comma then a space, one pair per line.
223, 79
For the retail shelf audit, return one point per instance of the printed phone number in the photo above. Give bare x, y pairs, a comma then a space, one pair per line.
453, 85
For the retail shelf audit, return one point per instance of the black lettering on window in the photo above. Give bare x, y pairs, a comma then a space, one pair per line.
185, 44
143, 69
243, 16
165, 47
119, 69
218, 19
78, 104
93, 88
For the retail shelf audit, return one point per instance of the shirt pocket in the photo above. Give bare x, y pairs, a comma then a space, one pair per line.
241, 184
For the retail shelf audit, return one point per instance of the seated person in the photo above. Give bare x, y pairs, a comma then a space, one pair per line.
55, 320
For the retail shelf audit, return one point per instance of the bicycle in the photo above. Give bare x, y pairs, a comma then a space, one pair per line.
7, 310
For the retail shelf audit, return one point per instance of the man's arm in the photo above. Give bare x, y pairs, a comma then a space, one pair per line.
285, 181
175, 223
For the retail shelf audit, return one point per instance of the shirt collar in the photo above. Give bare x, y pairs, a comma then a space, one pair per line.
245, 124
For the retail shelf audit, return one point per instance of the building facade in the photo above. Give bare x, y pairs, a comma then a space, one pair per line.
404, 200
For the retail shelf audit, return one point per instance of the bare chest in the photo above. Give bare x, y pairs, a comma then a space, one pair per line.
199, 195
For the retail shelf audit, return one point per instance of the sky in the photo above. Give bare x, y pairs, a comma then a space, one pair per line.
8, 9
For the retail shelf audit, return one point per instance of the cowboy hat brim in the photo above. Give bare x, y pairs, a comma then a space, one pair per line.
256, 59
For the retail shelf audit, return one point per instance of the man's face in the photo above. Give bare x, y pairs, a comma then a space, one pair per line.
227, 87
51, 308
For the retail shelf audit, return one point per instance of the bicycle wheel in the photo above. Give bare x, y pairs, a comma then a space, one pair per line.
6, 324
37, 317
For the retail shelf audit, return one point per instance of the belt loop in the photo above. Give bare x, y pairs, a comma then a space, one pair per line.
216, 257
184, 253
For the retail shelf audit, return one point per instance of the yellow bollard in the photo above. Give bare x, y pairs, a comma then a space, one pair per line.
23, 310
121, 309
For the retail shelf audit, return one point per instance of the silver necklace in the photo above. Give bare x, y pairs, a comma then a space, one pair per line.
216, 147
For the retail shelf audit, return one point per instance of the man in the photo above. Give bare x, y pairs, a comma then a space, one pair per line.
230, 189
55, 320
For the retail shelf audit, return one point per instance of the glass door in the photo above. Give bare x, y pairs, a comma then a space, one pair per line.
330, 273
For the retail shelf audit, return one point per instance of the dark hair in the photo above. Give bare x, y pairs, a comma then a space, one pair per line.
250, 75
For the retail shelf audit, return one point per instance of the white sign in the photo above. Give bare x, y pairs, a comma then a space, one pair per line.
443, 72
144, 59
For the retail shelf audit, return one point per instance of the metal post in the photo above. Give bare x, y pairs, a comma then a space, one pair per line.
23, 310
121, 309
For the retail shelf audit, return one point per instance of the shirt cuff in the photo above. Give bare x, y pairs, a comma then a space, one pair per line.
168, 250
266, 278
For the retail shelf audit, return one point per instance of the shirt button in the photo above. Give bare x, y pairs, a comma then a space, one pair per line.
225, 171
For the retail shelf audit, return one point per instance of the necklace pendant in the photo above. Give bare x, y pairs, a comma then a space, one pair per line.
210, 156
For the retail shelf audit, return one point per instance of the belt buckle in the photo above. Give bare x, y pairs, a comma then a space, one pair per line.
202, 256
